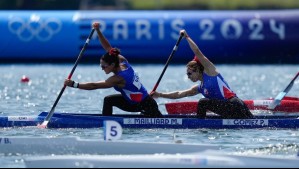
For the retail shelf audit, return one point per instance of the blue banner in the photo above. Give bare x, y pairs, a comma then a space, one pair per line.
149, 36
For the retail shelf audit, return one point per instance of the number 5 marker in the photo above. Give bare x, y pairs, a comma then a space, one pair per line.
112, 130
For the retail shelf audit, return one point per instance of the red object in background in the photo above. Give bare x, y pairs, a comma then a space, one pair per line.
288, 104
25, 79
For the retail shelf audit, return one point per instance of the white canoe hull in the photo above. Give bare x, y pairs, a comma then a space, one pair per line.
198, 160
74, 145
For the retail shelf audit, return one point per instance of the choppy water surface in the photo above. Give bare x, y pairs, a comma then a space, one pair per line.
248, 81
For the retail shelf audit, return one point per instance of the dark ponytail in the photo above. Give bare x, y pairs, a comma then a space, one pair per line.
114, 51
112, 57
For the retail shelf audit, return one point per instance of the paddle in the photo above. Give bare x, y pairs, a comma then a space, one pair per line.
47, 119
281, 95
168, 60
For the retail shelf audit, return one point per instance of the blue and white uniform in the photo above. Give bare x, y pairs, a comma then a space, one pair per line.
215, 87
133, 91
220, 99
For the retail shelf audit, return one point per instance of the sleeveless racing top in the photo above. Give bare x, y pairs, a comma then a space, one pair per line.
133, 91
215, 87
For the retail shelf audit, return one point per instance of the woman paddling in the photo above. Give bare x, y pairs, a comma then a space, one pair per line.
134, 97
219, 98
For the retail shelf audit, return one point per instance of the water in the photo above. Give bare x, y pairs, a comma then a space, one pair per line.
248, 81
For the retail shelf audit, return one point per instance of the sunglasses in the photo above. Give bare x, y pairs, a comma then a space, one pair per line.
104, 66
189, 73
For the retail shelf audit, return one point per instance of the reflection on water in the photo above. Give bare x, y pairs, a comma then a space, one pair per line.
248, 81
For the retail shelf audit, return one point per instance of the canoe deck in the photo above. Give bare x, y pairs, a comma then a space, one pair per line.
72, 120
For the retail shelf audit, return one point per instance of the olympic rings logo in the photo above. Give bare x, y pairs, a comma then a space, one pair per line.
43, 30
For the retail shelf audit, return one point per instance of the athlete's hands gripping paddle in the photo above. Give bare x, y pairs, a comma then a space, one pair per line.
47, 119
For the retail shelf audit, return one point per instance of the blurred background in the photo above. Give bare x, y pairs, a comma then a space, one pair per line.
227, 31
240, 36
147, 5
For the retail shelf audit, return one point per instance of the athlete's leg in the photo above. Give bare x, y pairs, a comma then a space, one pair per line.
119, 101
233, 108
149, 107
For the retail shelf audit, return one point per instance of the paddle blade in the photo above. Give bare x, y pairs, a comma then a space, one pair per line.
282, 94
277, 100
43, 125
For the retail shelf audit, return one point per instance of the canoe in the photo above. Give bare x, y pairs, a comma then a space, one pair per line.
73, 120
207, 159
75, 145
287, 105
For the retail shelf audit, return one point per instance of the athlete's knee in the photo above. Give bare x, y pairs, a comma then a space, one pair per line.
202, 104
107, 100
